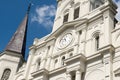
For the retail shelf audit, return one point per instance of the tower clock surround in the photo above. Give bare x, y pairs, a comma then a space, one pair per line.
65, 40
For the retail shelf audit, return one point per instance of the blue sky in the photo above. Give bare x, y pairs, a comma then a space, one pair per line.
12, 13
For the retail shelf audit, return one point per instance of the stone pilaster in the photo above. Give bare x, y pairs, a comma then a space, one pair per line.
69, 77
108, 65
30, 58
49, 57
76, 47
83, 38
43, 63
78, 75
71, 11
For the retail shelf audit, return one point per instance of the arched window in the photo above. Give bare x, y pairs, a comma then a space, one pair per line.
38, 64
63, 58
97, 42
6, 74
65, 15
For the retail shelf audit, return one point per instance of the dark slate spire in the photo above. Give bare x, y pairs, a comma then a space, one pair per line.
18, 40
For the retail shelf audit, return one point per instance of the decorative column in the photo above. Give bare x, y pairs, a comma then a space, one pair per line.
42, 64
76, 43
49, 57
59, 62
53, 64
83, 42
78, 75
71, 12
69, 77
108, 65
43, 61
30, 58
108, 18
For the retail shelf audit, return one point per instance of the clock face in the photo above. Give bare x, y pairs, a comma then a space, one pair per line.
65, 40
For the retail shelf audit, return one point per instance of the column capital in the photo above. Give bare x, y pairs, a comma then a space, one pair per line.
78, 72
67, 72
69, 77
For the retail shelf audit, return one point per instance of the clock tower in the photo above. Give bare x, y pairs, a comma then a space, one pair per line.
71, 10
80, 46
83, 45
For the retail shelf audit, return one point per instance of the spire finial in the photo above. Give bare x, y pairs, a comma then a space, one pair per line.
29, 6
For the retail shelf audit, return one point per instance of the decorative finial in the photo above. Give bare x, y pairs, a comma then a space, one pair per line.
29, 6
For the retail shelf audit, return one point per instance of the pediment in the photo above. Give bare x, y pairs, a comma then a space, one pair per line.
65, 26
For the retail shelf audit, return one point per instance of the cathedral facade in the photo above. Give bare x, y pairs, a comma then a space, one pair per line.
83, 45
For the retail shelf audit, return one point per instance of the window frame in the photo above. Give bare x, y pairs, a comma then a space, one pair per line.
97, 42
66, 17
3, 75
76, 11
63, 58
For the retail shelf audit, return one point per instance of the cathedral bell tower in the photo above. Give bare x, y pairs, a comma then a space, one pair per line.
14, 53
80, 47
72, 10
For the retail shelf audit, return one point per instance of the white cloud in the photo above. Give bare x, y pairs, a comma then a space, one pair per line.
44, 15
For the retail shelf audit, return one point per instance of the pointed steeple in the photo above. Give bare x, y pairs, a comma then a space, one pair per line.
18, 41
